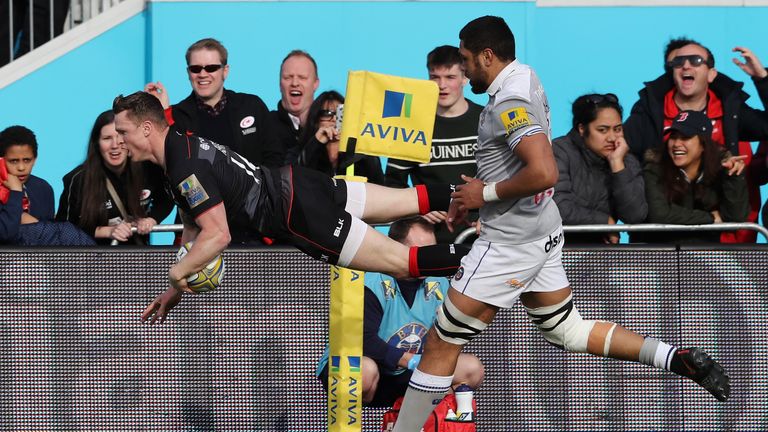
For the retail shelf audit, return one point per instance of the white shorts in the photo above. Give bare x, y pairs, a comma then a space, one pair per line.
497, 274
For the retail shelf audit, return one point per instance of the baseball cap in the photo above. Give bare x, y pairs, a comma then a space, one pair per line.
690, 123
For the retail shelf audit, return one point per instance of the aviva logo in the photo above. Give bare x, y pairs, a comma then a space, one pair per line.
397, 104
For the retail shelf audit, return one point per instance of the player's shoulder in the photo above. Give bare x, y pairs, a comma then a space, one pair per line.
519, 86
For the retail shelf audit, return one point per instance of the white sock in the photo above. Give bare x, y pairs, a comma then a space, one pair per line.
424, 392
656, 353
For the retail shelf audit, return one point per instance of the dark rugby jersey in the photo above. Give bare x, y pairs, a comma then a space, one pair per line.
203, 174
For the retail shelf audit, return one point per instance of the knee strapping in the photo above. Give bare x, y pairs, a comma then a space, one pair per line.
562, 325
456, 327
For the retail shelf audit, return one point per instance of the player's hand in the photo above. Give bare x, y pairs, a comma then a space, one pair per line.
157, 90
144, 225
469, 195
734, 164
121, 232
158, 310
751, 64
455, 216
179, 282
435, 217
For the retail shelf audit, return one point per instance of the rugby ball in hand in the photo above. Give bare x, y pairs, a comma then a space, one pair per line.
207, 279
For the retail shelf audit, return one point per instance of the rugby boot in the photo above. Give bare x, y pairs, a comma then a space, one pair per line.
705, 371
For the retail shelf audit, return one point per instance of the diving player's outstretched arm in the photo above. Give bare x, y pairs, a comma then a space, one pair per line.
211, 240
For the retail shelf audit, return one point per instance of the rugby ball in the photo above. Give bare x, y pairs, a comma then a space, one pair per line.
207, 279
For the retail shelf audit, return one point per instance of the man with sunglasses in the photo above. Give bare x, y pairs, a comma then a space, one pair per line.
239, 121
691, 82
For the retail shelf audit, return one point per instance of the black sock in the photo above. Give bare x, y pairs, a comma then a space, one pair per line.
434, 197
436, 260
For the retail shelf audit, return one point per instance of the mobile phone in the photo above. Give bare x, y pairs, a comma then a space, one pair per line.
339, 117
3, 170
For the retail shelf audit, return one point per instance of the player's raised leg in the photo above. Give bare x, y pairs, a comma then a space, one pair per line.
561, 324
380, 204
371, 250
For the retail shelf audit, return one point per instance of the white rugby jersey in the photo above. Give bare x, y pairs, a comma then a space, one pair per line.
517, 107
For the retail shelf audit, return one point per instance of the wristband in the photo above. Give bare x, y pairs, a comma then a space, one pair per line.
489, 192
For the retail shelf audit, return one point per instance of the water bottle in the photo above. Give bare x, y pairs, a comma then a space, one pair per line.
464, 396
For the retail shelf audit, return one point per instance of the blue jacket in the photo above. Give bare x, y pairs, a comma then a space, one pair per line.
40, 196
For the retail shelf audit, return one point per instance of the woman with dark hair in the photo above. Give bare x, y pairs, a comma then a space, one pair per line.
599, 181
320, 142
690, 180
107, 194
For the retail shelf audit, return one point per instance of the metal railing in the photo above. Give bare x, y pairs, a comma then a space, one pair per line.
728, 226
79, 11
464, 235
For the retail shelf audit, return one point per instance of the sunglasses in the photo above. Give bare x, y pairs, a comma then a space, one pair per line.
600, 98
211, 68
327, 114
695, 61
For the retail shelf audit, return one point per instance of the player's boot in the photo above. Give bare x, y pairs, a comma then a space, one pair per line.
705, 371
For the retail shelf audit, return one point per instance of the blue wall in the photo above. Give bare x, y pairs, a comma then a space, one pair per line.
575, 50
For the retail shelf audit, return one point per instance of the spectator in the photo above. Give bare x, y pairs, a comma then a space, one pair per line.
397, 315
320, 143
455, 136
107, 194
691, 82
239, 121
26, 201
599, 181
30, 18
690, 180
298, 83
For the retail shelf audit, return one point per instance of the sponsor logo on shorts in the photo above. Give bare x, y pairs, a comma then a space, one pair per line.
248, 131
459, 273
193, 191
552, 242
514, 283
337, 231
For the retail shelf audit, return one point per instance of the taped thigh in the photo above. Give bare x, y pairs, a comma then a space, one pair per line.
456, 327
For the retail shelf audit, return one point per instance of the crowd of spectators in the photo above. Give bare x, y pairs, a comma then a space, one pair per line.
650, 168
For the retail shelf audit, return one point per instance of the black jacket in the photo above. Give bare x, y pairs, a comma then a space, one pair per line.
643, 129
287, 134
587, 192
256, 141
154, 199
728, 195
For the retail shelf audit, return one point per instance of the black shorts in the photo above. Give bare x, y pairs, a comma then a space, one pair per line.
389, 389
313, 215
